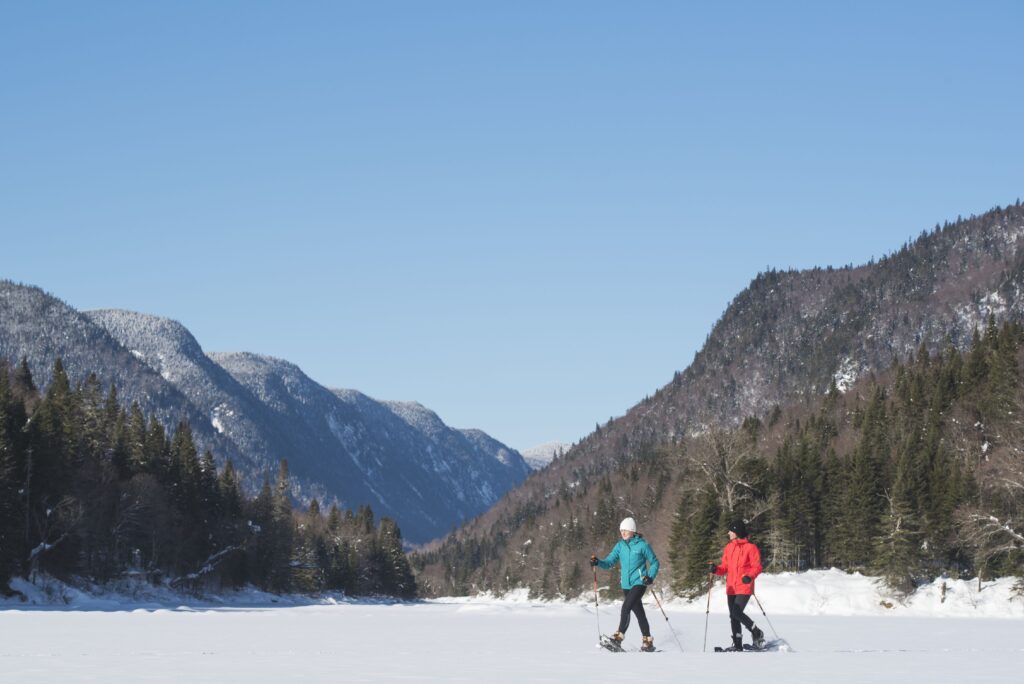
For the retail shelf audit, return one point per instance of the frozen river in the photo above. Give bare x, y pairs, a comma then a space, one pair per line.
485, 642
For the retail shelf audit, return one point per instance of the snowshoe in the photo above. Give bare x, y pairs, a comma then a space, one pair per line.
612, 643
737, 646
758, 638
777, 645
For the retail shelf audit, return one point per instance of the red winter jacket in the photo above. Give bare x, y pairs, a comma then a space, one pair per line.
739, 558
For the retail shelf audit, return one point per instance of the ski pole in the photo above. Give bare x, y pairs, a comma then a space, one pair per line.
766, 616
596, 609
707, 612
658, 601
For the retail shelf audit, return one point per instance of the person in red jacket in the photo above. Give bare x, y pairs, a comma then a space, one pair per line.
741, 564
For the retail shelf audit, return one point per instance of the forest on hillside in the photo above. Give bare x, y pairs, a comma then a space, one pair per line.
912, 474
93, 491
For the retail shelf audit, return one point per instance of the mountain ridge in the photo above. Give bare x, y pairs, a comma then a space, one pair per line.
255, 410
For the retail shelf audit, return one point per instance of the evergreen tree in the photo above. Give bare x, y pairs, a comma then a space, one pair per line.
399, 580
799, 481
282, 531
606, 517
23, 387
260, 549
898, 547
701, 541
137, 439
861, 493
11, 515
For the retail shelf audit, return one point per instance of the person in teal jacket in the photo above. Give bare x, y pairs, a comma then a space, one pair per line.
638, 567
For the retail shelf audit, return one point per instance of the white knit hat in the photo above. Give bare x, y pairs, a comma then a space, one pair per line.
628, 524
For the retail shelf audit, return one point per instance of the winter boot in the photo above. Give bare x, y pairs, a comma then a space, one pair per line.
737, 643
618, 637
647, 644
758, 637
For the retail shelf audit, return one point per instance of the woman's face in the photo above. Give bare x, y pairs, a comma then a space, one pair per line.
626, 535
732, 535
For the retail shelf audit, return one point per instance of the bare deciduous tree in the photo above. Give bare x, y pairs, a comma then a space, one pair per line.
721, 458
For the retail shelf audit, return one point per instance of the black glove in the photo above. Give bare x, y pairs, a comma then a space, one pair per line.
746, 579
647, 580
593, 561
711, 568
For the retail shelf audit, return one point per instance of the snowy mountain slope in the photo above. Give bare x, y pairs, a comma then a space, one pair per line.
228, 408
257, 410
481, 458
790, 334
542, 454
489, 446
362, 452
41, 328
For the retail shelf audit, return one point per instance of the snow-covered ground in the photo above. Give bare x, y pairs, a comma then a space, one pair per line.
836, 634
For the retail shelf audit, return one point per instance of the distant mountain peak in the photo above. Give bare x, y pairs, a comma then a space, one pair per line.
542, 454
168, 341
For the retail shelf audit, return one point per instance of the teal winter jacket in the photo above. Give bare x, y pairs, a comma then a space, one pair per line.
635, 557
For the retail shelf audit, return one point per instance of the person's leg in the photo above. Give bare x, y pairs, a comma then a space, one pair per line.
741, 605
756, 635
636, 594
624, 615
734, 621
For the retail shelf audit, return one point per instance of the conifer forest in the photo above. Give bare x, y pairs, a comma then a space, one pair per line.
91, 490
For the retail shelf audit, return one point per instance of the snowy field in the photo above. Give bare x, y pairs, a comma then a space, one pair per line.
836, 636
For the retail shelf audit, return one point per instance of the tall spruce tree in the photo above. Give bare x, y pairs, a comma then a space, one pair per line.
701, 540
399, 580
11, 532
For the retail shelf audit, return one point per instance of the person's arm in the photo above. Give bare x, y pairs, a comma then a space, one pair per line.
754, 562
652, 562
610, 560
721, 568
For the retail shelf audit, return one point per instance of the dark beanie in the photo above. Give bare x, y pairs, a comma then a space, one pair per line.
739, 527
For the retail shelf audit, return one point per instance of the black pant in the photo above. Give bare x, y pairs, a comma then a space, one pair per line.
737, 603
631, 602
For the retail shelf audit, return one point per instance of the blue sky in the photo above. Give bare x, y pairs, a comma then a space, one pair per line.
524, 215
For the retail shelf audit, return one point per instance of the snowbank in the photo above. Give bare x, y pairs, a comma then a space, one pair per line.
817, 592
834, 592
132, 595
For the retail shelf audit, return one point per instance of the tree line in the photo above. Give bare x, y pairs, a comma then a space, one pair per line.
89, 489
915, 476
